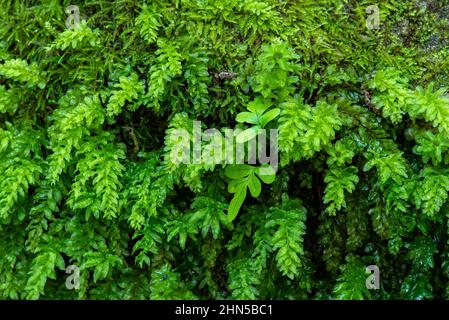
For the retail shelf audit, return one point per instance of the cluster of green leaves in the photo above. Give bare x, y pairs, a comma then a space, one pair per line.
87, 176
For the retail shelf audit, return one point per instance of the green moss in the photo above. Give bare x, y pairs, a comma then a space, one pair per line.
87, 113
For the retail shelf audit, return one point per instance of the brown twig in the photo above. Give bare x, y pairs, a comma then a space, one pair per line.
368, 103
133, 137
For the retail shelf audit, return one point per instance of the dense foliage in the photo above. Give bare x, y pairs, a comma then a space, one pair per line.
86, 179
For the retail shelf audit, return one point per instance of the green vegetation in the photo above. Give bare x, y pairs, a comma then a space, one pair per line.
86, 177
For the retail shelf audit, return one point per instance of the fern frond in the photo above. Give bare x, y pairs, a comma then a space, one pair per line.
288, 222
